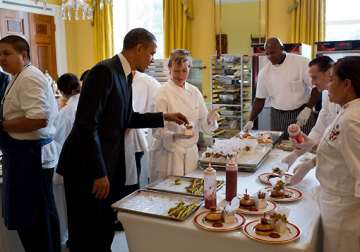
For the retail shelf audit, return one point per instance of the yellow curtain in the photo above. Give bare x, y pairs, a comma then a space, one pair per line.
308, 21
177, 24
103, 31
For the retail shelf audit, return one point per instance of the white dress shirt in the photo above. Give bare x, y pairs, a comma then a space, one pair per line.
30, 95
327, 115
288, 85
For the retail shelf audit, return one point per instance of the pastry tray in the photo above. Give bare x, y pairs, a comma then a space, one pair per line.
168, 185
249, 162
155, 203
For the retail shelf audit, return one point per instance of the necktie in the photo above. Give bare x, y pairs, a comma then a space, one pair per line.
129, 80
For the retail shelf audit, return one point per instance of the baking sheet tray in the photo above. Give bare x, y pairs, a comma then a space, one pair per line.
168, 185
247, 162
155, 203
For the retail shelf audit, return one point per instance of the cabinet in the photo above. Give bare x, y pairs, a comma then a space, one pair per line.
231, 92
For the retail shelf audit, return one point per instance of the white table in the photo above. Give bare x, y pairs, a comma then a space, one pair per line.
145, 233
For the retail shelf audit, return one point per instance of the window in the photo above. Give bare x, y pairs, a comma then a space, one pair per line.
342, 20
129, 14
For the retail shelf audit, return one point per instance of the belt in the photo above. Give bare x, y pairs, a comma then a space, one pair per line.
289, 111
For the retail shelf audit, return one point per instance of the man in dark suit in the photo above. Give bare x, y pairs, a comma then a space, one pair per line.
92, 160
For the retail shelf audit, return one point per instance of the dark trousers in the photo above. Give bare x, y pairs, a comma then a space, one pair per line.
45, 235
138, 157
91, 222
280, 120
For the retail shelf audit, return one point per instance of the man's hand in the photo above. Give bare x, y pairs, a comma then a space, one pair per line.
303, 116
290, 159
176, 117
248, 126
101, 188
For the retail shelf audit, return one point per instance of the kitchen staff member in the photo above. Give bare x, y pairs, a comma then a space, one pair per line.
338, 159
28, 111
285, 80
320, 71
173, 152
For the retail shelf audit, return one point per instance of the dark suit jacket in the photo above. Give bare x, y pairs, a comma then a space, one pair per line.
4, 81
95, 146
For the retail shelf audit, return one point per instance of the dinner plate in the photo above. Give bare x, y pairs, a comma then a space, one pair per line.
293, 233
294, 195
270, 206
201, 222
264, 177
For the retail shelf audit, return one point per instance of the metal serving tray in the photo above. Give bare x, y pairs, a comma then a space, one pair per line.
155, 203
168, 185
250, 163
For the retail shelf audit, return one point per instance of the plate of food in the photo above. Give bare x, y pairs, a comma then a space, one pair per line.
255, 206
281, 193
286, 145
218, 221
272, 230
265, 177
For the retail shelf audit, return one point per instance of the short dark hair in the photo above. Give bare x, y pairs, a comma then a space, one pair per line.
138, 36
84, 74
349, 68
323, 62
69, 84
18, 43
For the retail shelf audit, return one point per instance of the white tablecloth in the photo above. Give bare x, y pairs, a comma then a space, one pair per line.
145, 233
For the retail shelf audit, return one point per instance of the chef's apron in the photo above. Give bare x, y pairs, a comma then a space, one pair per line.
23, 195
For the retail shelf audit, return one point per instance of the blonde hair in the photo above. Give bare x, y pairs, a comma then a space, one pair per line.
179, 56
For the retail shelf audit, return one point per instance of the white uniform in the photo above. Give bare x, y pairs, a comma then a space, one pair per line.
30, 95
181, 156
144, 88
288, 85
338, 171
327, 115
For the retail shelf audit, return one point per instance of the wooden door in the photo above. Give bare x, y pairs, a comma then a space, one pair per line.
14, 23
43, 54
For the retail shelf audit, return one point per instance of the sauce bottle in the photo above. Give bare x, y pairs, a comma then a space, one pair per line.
210, 187
231, 179
295, 133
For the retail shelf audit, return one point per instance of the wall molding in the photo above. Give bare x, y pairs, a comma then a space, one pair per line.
51, 10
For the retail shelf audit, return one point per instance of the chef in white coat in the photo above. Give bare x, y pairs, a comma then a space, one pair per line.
338, 162
69, 86
320, 72
138, 140
175, 153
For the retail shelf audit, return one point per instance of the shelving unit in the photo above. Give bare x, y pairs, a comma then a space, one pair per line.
231, 92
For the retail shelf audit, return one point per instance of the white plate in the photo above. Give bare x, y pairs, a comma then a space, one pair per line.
294, 194
269, 207
200, 221
293, 234
264, 177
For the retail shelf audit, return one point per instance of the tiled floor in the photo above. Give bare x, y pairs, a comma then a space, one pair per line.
119, 243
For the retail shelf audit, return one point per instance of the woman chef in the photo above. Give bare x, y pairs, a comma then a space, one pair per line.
338, 162
175, 153
28, 110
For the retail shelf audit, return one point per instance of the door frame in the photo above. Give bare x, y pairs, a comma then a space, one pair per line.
51, 10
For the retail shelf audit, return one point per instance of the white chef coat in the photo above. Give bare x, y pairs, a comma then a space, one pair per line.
288, 85
327, 115
30, 95
181, 156
65, 119
144, 88
338, 171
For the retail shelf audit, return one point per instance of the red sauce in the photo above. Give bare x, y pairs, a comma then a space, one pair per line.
217, 224
231, 184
